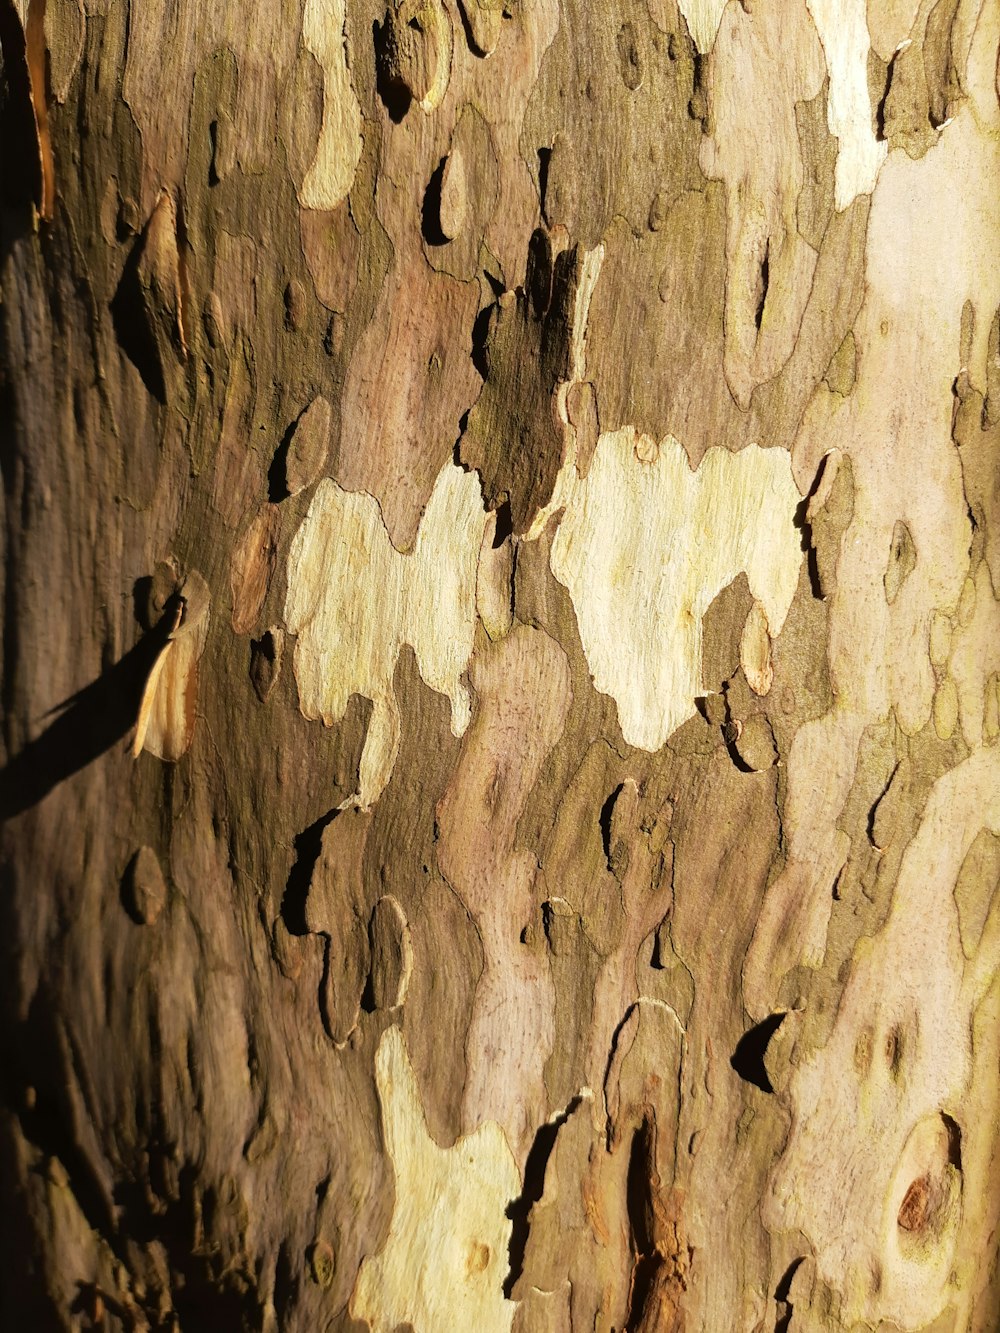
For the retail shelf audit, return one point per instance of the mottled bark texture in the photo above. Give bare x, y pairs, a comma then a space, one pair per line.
501, 727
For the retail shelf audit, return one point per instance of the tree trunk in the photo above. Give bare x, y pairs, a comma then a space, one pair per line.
500, 669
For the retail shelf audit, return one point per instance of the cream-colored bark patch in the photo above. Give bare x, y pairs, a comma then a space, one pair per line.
339, 148
873, 1170
354, 600
975, 654
703, 18
932, 229
445, 1258
843, 30
644, 547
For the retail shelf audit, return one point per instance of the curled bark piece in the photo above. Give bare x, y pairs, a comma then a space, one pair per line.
413, 52
160, 277
495, 580
22, 37
308, 446
483, 20
145, 890
165, 726
754, 744
252, 567
265, 661
454, 195
391, 954
755, 651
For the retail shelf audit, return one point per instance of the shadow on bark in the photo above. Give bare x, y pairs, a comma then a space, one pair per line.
519, 1210
132, 325
748, 1058
88, 724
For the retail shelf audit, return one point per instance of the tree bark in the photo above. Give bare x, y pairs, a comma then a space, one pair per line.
501, 669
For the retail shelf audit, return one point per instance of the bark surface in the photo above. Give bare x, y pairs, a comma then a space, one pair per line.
501, 665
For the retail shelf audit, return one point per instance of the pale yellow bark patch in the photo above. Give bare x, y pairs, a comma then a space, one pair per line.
353, 600
445, 1258
644, 547
843, 30
703, 18
339, 148
975, 654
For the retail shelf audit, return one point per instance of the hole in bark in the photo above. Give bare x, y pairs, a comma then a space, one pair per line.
607, 809
657, 960
880, 109
539, 272
748, 1058
785, 1285
544, 157
954, 1141
213, 135
505, 524
730, 736
801, 521
396, 97
894, 1049
765, 278
277, 483
781, 1293
547, 915
430, 210
285, 1284
308, 844
480, 337
519, 1209
812, 569
873, 808
21, 178
639, 1202
130, 320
